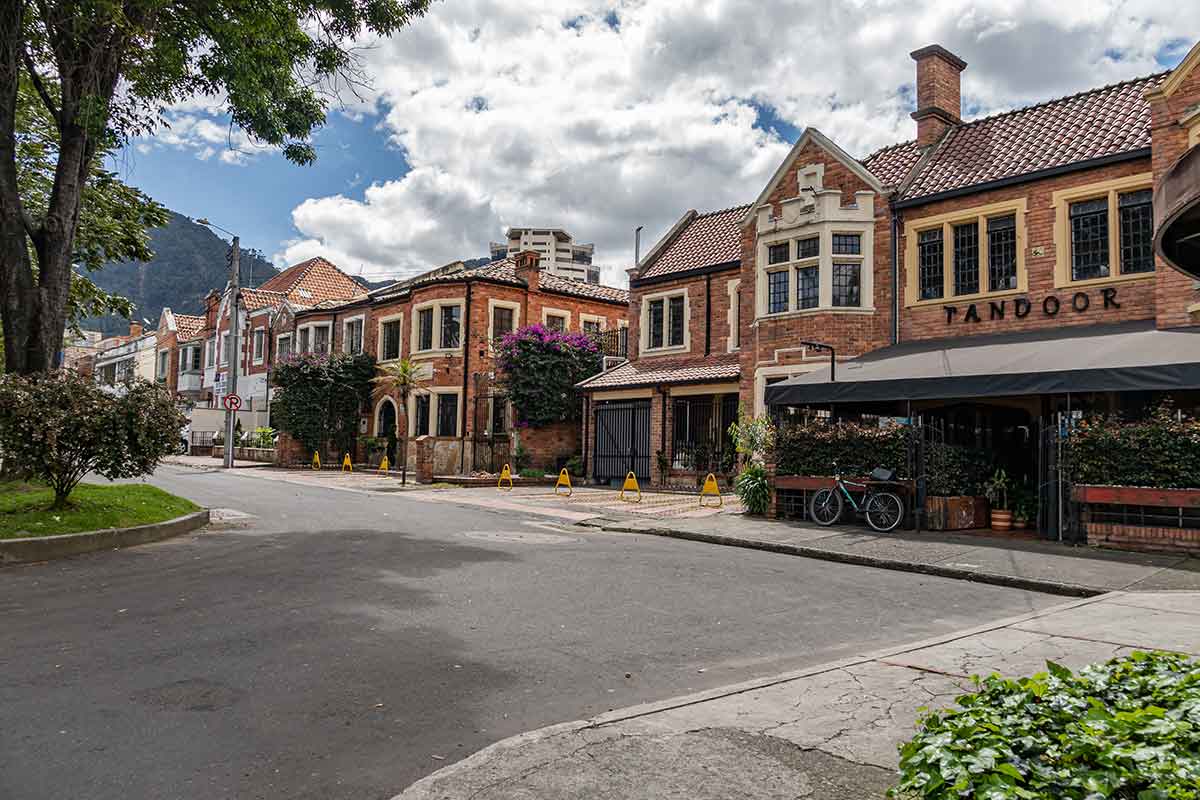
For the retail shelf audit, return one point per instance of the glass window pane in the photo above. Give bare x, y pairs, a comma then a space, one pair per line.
779, 253
447, 413
656, 324
556, 322
425, 329
808, 287
1137, 231
847, 286
1089, 239
677, 322
391, 340
966, 258
1002, 253
502, 321
929, 264
421, 417
847, 244
808, 248
777, 292
451, 318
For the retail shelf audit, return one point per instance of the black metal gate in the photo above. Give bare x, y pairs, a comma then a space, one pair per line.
490, 438
1058, 517
622, 439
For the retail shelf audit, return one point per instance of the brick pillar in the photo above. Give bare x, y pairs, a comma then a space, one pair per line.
773, 505
658, 422
425, 459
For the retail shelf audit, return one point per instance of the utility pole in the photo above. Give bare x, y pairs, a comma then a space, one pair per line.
234, 348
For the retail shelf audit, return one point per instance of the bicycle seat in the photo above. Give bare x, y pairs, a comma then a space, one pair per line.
883, 475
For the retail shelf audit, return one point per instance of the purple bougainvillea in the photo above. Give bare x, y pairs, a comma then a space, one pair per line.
539, 368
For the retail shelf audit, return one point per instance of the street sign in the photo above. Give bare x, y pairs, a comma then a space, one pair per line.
232, 402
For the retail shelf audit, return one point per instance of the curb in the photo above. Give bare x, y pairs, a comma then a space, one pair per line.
45, 548
996, 579
428, 788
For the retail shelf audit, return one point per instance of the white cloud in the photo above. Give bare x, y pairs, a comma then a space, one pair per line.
539, 112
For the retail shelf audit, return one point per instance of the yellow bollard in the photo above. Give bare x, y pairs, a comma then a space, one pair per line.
346, 465
316, 462
631, 483
711, 489
383, 465
505, 475
564, 480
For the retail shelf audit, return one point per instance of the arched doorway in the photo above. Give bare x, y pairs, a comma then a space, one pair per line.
385, 427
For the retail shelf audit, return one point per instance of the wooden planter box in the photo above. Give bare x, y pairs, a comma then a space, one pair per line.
956, 513
1136, 496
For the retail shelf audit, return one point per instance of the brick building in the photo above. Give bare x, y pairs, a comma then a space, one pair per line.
986, 247
445, 321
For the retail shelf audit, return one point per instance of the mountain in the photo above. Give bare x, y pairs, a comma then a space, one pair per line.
189, 261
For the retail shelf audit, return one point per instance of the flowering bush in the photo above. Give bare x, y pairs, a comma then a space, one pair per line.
539, 368
1161, 451
1129, 728
59, 426
320, 397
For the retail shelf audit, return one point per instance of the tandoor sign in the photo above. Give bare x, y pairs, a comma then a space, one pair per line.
1022, 307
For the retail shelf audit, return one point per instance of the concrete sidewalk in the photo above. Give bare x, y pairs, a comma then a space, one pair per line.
1036, 565
826, 733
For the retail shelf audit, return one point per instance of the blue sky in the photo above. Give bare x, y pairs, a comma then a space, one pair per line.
602, 115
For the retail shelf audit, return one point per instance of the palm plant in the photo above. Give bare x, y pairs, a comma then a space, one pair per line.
401, 379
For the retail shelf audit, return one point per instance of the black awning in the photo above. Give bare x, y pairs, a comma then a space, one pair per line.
1100, 358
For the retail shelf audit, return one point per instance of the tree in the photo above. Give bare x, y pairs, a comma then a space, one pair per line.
320, 397
539, 368
105, 71
401, 378
59, 426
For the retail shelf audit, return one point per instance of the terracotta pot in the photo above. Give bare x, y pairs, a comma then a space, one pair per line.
1020, 524
1001, 520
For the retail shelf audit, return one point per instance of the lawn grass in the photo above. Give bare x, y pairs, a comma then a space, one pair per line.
24, 508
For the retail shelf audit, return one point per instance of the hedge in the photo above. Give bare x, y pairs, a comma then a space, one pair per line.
1129, 728
1161, 451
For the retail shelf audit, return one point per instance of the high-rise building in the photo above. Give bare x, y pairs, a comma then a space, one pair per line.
558, 250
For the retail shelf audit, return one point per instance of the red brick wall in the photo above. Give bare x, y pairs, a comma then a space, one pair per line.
1137, 298
1144, 539
850, 333
1174, 291
549, 445
718, 329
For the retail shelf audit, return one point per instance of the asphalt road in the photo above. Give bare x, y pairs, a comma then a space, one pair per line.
340, 645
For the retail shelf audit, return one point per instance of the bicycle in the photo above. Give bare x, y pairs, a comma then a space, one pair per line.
883, 510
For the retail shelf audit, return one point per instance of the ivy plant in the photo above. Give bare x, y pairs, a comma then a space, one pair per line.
320, 397
539, 368
1128, 728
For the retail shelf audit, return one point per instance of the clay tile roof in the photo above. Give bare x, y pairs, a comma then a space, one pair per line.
505, 271
313, 281
254, 299
706, 240
718, 367
892, 164
1101, 122
188, 326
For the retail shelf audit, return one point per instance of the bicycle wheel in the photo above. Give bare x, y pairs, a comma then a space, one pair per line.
884, 511
825, 508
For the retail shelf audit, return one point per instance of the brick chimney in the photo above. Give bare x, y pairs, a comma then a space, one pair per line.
135, 330
529, 268
939, 96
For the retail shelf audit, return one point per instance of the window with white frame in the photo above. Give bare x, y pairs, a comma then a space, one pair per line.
556, 319
503, 318
389, 337
305, 335
352, 336
447, 415
164, 364
226, 348
591, 325
260, 345
437, 326
320, 339
283, 346
211, 347
421, 404
664, 321
815, 269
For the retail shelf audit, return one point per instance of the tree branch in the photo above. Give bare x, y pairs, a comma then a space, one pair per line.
40, 87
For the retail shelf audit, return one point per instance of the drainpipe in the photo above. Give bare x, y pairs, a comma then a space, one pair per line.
895, 271
465, 339
708, 314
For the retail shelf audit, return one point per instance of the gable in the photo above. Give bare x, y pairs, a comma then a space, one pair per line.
813, 147
1176, 78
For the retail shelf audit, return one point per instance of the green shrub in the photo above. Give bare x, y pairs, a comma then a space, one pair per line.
319, 397
753, 489
1129, 728
263, 437
538, 369
1161, 451
574, 466
952, 471
531, 472
812, 448
520, 458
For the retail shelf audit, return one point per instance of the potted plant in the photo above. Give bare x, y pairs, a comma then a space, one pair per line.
953, 498
996, 490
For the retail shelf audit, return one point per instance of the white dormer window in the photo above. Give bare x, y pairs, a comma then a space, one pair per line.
664, 322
